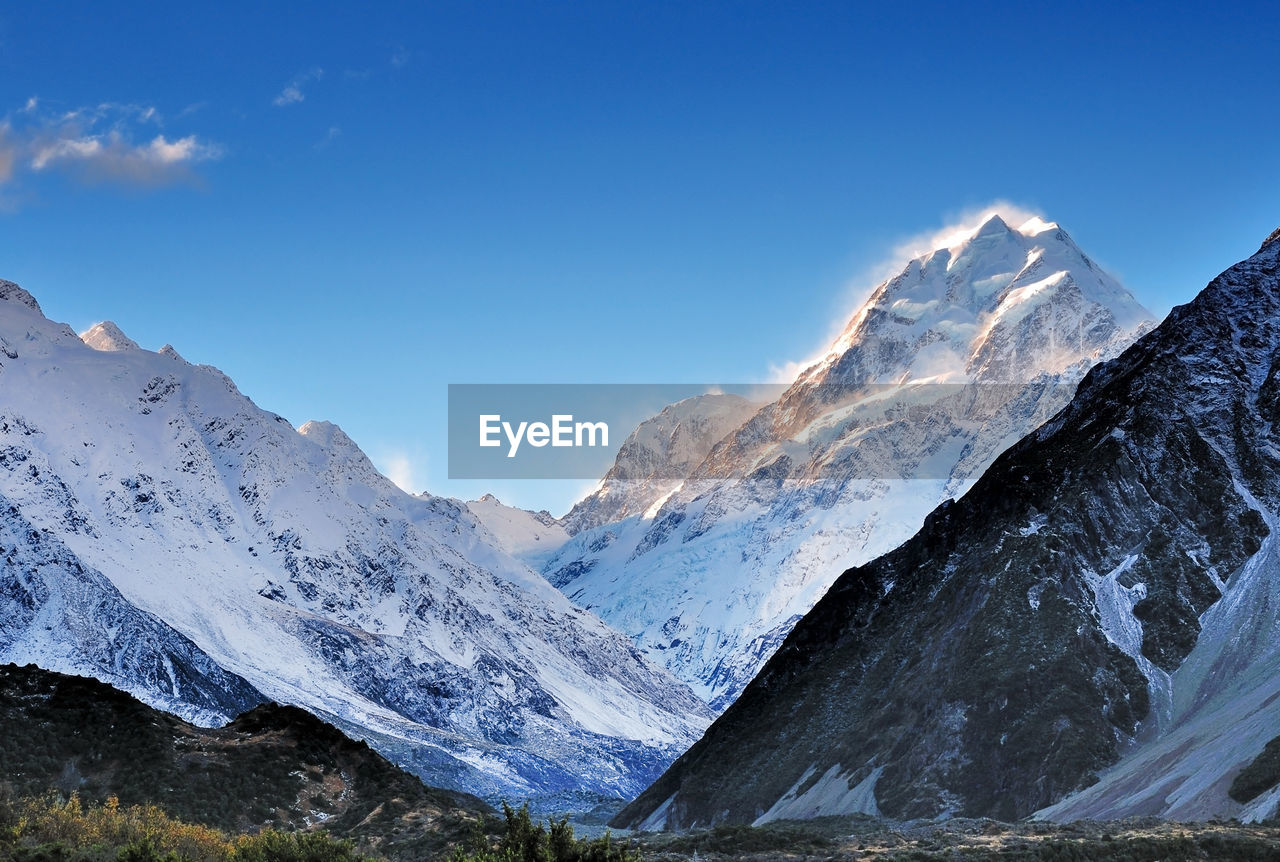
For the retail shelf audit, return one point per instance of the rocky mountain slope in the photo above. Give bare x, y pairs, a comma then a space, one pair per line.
958, 356
166, 535
273, 766
658, 456
1089, 632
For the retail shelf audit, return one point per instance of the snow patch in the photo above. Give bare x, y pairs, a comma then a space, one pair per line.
1265, 807
658, 819
1114, 603
830, 794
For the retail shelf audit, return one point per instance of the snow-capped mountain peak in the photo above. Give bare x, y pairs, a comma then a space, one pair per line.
106, 336
711, 574
527, 536
1089, 633
993, 226
658, 456
957, 313
327, 434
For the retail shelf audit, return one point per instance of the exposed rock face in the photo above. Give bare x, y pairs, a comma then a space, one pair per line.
1090, 628
165, 534
13, 293
957, 357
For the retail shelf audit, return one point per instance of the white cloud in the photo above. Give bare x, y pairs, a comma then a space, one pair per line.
98, 144
67, 148
114, 157
289, 95
957, 226
186, 149
293, 93
788, 371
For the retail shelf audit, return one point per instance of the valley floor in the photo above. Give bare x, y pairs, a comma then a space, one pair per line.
843, 838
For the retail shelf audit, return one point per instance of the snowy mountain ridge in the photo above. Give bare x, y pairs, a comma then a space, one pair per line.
530, 537
949, 362
170, 537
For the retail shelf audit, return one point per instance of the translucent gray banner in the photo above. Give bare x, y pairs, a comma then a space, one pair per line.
558, 431
574, 430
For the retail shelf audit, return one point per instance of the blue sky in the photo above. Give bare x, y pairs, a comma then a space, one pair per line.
347, 207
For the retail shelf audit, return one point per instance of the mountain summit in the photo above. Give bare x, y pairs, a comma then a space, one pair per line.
967, 310
1089, 632
956, 357
107, 336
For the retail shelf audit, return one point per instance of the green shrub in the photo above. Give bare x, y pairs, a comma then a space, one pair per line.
523, 840
272, 846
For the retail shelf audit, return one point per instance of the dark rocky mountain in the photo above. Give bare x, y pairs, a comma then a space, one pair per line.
1091, 627
273, 766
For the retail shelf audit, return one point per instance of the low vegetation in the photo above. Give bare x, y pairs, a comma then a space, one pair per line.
525, 840
53, 828
275, 767
56, 829
835, 839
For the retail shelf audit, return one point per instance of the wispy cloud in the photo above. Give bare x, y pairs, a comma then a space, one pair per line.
293, 93
400, 57
109, 142
956, 227
402, 469
330, 136
114, 157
